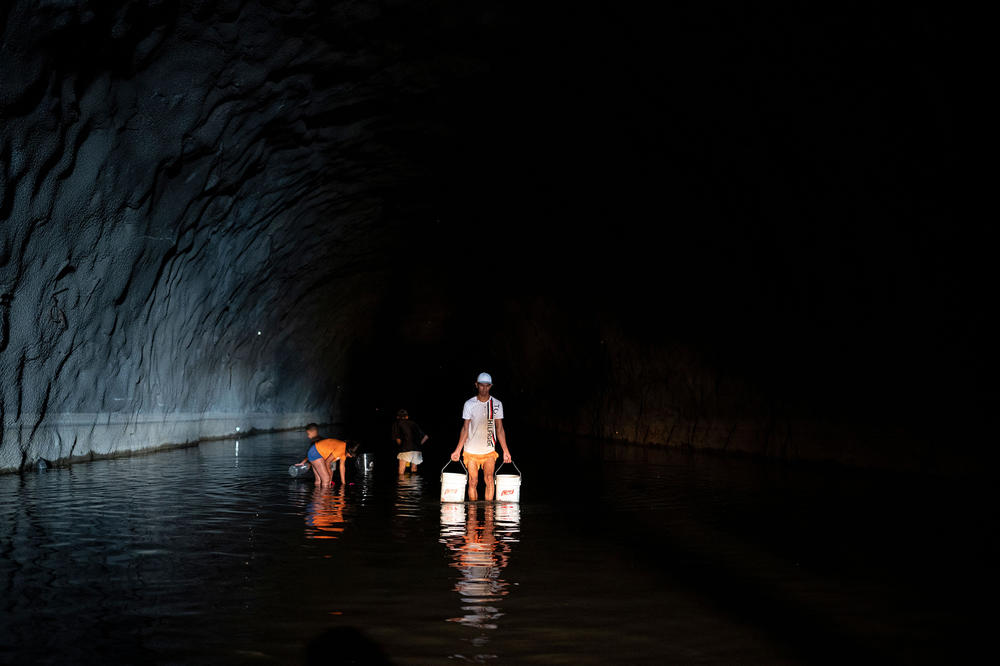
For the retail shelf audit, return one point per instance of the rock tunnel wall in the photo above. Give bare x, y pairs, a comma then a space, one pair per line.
717, 230
742, 237
168, 213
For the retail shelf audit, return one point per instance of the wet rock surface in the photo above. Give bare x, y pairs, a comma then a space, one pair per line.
180, 181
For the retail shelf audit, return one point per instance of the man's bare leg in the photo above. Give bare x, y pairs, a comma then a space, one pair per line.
473, 480
488, 477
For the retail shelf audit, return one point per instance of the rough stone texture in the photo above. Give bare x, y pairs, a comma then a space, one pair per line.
177, 183
694, 227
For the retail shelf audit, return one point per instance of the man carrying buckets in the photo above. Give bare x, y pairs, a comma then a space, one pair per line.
482, 430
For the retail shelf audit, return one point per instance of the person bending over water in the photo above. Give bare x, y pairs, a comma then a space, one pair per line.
482, 430
323, 452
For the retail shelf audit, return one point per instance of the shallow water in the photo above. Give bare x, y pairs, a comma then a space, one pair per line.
214, 555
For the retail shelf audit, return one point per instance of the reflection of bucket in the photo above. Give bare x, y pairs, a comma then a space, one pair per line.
508, 486
453, 485
508, 512
453, 514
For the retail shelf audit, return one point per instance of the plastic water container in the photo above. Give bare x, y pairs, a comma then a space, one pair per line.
299, 471
507, 486
365, 462
453, 484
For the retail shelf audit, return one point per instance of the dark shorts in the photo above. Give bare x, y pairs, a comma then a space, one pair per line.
313, 453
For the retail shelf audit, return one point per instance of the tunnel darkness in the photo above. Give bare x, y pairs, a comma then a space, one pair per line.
708, 225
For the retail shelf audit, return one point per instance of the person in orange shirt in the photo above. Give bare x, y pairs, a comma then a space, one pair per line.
323, 452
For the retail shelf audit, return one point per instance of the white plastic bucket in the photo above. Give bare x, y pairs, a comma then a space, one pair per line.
508, 486
453, 485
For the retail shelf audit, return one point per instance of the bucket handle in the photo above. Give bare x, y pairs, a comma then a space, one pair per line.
450, 462
497, 470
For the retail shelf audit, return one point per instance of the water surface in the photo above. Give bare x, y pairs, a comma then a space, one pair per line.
214, 554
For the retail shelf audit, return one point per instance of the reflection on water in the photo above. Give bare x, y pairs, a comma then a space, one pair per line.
202, 556
328, 511
325, 513
409, 492
479, 536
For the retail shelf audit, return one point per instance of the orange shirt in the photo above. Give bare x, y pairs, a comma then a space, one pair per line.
337, 447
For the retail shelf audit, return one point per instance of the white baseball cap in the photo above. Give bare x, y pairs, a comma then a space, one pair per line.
484, 378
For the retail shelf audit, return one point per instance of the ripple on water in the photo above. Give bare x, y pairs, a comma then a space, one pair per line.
409, 497
202, 556
478, 537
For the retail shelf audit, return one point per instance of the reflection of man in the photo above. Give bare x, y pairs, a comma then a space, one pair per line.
480, 557
482, 430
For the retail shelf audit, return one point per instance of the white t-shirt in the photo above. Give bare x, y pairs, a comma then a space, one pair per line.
477, 413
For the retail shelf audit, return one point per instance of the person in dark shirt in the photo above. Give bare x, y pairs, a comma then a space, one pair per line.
410, 440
